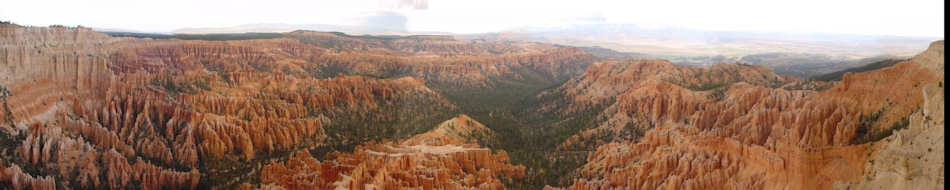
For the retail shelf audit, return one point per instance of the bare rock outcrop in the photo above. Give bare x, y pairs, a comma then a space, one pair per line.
912, 158
458, 130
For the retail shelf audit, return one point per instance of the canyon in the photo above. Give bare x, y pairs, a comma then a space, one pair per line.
755, 137
327, 110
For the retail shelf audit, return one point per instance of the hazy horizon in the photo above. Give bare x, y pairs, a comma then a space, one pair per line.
920, 18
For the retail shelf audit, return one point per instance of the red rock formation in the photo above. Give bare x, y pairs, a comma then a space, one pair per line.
283, 121
608, 79
396, 166
752, 137
49, 147
644, 93
20, 180
121, 173
175, 104
426, 161
90, 103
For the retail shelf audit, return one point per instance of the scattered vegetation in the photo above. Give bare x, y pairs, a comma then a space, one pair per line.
9, 142
809, 84
528, 136
865, 125
708, 86
178, 87
4, 93
632, 132
203, 85
702, 86
866, 132
718, 94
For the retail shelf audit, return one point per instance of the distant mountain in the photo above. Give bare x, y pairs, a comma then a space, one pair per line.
282, 28
799, 54
122, 30
808, 65
690, 42
605, 53
260, 28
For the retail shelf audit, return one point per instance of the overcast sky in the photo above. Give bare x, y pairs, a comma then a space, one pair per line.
922, 18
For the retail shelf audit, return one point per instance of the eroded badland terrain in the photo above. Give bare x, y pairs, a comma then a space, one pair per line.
318, 110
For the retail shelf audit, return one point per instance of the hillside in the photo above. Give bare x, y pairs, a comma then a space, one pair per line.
605, 53
837, 75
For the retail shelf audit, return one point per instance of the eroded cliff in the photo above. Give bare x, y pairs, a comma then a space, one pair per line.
752, 136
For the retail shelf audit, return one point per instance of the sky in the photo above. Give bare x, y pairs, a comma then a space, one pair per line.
913, 18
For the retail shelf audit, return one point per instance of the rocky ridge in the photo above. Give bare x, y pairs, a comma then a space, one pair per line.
438, 159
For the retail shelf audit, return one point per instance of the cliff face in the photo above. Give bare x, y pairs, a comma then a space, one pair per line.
912, 158
427, 161
45, 68
47, 72
750, 136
